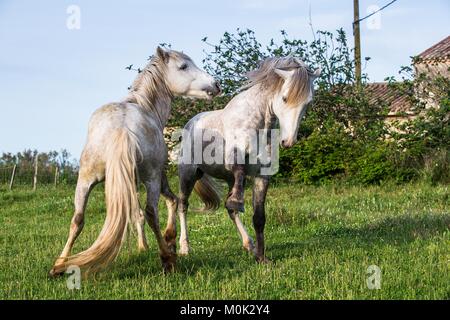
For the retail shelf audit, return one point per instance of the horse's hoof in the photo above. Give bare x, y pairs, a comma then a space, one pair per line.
55, 273
184, 251
184, 248
235, 205
168, 263
249, 246
263, 260
143, 248
173, 248
171, 244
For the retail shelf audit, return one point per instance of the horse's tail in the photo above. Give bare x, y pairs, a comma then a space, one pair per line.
209, 192
122, 204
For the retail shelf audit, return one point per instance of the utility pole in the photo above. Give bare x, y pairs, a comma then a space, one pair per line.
357, 36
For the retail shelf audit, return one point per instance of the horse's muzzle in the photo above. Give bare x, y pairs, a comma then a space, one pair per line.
287, 143
214, 90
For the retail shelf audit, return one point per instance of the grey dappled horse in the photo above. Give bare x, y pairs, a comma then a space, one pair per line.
280, 89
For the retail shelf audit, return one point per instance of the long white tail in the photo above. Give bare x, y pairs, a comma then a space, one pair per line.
122, 204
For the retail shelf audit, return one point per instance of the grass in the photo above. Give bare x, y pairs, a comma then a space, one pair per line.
321, 241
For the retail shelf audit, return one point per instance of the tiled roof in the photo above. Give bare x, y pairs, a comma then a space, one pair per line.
381, 92
439, 51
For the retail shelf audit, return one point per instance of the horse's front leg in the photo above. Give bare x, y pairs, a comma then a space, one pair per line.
259, 216
247, 241
235, 200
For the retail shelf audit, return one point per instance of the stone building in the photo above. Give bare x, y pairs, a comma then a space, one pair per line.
433, 62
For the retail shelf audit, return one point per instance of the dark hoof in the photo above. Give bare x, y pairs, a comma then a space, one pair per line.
263, 260
171, 241
55, 273
59, 268
172, 247
235, 205
168, 263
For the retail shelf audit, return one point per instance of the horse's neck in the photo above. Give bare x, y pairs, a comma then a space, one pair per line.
270, 120
263, 112
162, 107
156, 106
158, 110
151, 93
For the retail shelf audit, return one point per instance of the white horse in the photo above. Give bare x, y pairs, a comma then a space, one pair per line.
125, 142
280, 88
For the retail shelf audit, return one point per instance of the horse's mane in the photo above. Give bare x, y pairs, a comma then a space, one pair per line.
150, 84
266, 77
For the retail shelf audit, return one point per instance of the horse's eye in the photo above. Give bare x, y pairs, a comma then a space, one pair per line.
183, 66
284, 99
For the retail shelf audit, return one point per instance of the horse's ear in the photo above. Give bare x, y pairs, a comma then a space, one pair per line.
285, 74
163, 54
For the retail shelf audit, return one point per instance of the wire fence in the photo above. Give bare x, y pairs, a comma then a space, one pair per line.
26, 175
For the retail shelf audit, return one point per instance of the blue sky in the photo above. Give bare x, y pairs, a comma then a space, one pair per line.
53, 78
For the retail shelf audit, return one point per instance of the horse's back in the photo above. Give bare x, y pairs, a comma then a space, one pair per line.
116, 116
236, 124
204, 120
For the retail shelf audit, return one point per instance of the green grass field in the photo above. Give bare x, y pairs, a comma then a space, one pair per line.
321, 241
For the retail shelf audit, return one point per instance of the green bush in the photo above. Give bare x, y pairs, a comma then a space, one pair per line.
373, 165
437, 168
332, 152
318, 158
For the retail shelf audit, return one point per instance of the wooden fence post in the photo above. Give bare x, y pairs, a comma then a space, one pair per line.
56, 175
12, 177
35, 172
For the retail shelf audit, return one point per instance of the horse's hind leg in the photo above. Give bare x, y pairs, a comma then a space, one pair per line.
140, 224
153, 187
259, 216
170, 234
85, 184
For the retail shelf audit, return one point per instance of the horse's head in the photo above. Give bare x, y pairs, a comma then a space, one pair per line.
291, 100
184, 78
